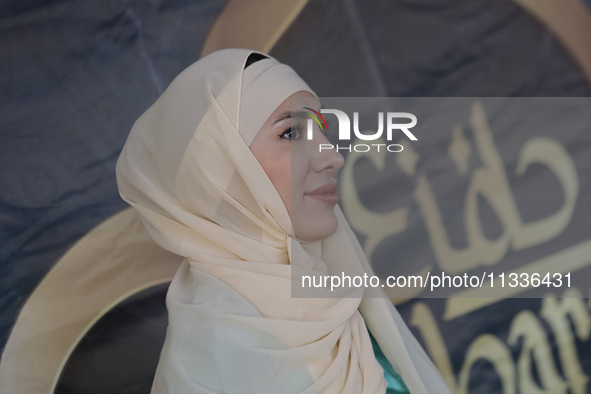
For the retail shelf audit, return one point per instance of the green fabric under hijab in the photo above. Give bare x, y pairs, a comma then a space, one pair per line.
395, 383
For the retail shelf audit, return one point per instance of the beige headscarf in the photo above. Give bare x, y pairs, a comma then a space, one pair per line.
233, 325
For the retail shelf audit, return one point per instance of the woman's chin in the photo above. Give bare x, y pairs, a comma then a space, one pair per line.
316, 227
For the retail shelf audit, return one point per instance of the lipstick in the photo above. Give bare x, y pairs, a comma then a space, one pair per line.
326, 193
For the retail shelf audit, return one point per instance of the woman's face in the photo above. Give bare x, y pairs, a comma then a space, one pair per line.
304, 177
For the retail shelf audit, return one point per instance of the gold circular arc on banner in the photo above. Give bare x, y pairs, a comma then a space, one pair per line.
109, 264
253, 24
570, 21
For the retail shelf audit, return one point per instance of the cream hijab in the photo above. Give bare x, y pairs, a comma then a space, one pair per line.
233, 325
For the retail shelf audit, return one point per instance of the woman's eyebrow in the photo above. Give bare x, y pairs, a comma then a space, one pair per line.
283, 116
287, 115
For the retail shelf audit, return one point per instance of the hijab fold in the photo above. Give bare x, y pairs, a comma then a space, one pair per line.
233, 324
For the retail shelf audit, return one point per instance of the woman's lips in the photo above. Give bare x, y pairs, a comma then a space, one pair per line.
325, 193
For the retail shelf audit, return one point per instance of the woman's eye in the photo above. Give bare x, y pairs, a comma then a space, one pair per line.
293, 133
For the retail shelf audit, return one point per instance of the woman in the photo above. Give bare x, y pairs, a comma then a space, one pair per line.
209, 167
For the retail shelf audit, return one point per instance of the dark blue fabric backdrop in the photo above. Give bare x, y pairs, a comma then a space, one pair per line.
74, 76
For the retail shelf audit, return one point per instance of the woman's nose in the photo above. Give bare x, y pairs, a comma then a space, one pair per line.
326, 158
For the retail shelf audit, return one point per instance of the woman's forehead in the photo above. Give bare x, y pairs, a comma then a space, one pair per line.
292, 106
297, 102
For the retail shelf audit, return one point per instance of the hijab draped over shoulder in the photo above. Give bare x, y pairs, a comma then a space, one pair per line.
233, 325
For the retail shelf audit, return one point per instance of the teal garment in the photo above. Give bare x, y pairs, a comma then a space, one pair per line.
395, 383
